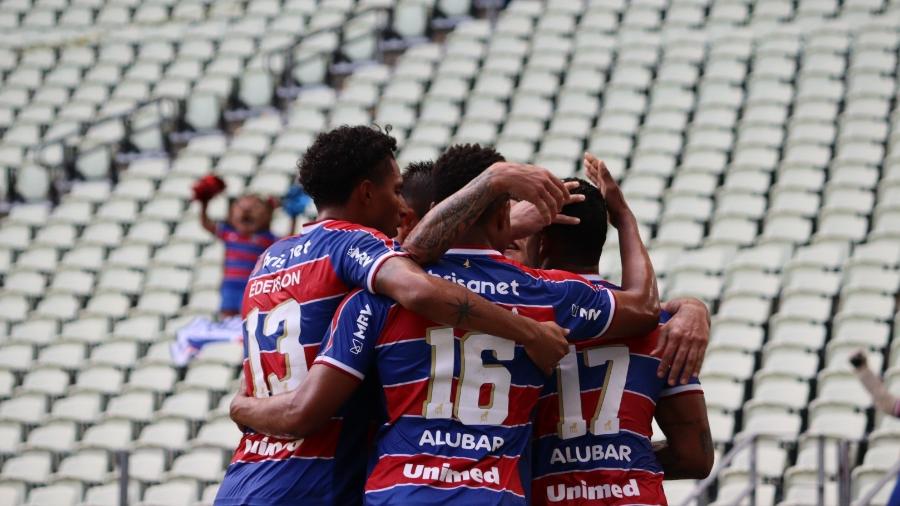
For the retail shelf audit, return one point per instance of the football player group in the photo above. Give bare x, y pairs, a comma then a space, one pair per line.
477, 357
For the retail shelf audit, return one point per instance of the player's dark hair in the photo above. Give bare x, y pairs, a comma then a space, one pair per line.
581, 244
460, 164
418, 186
342, 158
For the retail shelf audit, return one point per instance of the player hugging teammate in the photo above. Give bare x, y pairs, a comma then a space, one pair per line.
455, 380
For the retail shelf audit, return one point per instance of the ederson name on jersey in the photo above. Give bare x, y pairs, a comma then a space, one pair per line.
291, 296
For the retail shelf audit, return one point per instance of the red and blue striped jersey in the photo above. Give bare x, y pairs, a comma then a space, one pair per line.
242, 251
459, 405
594, 424
294, 290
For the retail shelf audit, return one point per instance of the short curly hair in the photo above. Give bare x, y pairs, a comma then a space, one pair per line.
340, 159
460, 164
582, 243
418, 187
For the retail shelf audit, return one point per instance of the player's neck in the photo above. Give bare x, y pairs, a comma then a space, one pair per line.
342, 213
475, 237
575, 267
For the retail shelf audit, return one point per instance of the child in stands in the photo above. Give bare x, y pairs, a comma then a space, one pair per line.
246, 234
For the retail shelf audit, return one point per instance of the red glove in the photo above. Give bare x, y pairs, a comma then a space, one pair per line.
208, 187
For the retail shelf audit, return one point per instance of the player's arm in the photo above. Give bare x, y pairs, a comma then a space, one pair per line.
683, 339
450, 304
205, 221
688, 451
300, 412
441, 226
333, 377
637, 303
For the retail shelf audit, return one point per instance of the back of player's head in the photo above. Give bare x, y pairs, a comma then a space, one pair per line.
580, 244
418, 186
460, 164
340, 159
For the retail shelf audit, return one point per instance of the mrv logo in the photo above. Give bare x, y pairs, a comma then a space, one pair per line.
361, 257
362, 323
587, 314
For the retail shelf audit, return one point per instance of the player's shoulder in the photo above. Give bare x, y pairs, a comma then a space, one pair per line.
539, 274
350, 227
361, 298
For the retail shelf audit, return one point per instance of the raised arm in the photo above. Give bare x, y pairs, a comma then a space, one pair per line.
450, 304
883, 399
637, 303
688, 451
441, 226
207, 223
300, 412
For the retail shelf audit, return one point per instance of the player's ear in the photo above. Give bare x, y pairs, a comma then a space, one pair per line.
365, 192
543, 246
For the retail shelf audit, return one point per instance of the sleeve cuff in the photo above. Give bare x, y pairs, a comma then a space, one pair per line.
690, 388
373, 271
339, 366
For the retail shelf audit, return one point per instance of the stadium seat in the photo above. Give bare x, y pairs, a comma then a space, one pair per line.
179, 492
85, 466
82, 408
31, 468
111, 435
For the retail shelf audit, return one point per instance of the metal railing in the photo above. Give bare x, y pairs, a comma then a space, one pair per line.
890, 475
701, 490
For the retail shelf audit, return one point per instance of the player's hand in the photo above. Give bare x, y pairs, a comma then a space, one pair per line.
682, 342
549, 347
239, 398
525, 219
532, 184
616, 205
858, 359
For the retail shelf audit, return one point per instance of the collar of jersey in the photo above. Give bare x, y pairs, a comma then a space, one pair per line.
590, 276
473, 251
312, 225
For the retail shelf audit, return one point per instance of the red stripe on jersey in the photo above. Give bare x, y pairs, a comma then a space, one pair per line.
493, 473
635, 412
346, 226
403, 326
262, 448
407, 399
521, 400
548, 274
599, 487
303, 282
234, 254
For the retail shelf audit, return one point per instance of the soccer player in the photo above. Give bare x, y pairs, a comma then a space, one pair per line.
417, 190
593, 425
298, 283
459, 404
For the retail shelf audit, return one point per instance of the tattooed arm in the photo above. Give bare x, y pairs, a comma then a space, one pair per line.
688, 451
450, 304
441, 226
